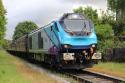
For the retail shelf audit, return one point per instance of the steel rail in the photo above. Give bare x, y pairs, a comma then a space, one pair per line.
87, 76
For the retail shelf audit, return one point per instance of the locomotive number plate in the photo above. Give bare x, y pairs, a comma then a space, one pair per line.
68, 56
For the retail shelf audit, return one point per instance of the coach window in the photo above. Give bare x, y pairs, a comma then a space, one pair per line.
30, 42
40, 40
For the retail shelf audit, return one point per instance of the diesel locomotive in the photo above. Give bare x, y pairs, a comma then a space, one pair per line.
69, 42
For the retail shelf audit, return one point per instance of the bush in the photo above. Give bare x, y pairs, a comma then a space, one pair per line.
105, 37
104, 31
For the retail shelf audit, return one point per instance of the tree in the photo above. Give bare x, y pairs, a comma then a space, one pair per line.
89, 12
79, 10
104, 32
23, 28
2, 22
6, 43
105, 37
107, 17
118, 6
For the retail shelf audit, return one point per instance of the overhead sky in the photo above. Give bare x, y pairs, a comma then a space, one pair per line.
42, 11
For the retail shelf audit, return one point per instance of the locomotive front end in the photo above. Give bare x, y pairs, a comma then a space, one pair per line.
78, 40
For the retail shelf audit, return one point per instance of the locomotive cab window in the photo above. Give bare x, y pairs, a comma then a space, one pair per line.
40, 40
76, 23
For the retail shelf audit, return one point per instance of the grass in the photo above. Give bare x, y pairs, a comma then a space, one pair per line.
13, 70
111, 68
117, 67
8, 72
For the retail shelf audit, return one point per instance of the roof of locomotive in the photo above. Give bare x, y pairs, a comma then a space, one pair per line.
64, 16
73, 16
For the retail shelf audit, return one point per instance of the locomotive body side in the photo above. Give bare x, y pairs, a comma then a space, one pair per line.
39, 43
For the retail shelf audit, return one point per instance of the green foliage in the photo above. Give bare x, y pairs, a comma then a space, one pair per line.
107, 17
24, 28
2, 22
118, 6
119, 28
105, 36
112, 5
6, 43
8, 70
104, 31
89, 12
118, 43
79, 10
103, 45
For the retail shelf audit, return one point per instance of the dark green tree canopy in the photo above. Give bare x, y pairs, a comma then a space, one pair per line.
118, 6
107, 17
115, 5
79, 10
2, 22
24, 28
89, 12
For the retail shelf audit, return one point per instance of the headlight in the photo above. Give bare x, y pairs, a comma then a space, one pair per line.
93, 46
65, 46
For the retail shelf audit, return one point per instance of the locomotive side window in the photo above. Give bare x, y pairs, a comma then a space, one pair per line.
40, 40
56, 26
51, 28
30, 42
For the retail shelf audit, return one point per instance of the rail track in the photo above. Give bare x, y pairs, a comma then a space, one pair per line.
85, 76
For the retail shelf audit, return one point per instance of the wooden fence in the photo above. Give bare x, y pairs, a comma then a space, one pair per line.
114, 54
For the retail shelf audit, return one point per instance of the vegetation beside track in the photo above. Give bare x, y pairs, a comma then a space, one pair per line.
13, 70
110, 68
8, 72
